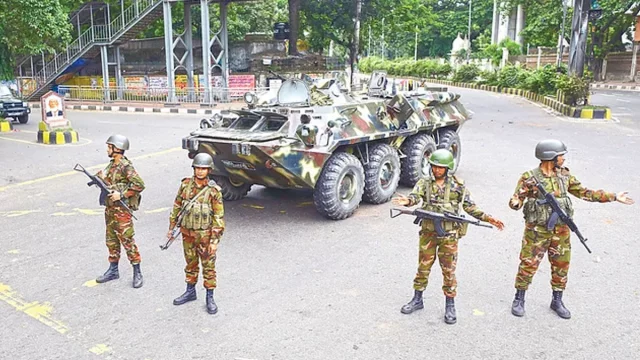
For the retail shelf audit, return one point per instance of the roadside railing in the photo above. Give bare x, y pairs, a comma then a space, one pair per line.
180, 95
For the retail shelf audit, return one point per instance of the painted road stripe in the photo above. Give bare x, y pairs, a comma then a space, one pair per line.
38, 311
69, 173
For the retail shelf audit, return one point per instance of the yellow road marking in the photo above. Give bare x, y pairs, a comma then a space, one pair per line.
259, 207
477, 312
90, 283
14, 251
100, 349
89, 211
15, 213
38, 311
157, 210
64, 214
306, 203
81, 142
73, 172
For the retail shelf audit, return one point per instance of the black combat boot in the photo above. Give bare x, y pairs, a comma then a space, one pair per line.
414, 304
212, 308
188, 295
558, 306
137, 276
450, 311
517, 308
110, 274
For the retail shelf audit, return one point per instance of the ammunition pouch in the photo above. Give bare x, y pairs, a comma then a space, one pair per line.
540, 214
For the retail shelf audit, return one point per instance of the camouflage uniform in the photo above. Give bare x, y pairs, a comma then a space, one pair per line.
200, 235
438, 199
119, 227
537, 239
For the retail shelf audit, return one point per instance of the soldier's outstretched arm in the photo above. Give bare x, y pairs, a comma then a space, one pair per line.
470, 207
418, 193
578, 190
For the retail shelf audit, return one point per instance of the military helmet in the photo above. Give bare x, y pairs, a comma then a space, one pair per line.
119, 141
202, 160
442, 157
549, 149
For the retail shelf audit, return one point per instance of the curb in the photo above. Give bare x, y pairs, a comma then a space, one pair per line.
547, 101
138, 109
57, 137
616, 87
5, 126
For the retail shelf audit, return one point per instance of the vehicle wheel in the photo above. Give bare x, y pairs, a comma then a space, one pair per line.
450, 140
381, 174
415, 165
339, 189
23, 119
231, 190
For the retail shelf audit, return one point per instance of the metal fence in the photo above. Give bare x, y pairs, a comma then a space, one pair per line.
183, 95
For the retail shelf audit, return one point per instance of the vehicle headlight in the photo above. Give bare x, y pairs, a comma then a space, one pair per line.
25, 104
250, 98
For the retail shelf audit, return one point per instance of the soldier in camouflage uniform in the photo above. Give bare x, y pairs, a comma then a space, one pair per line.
202, 226
122, 178
439, 193
537, 240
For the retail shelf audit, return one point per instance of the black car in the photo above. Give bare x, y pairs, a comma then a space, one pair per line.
12, 107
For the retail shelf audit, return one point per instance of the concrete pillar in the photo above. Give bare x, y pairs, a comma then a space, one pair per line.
188, 40
119, 79
495, 22
519, 24
168, 47
539, 57
206, 51
104, 55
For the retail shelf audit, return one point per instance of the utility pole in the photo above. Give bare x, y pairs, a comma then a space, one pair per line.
369, 51
579, 28
415, 50
382, 42
469, 34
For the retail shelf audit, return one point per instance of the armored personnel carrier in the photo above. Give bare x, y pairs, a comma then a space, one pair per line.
345, 150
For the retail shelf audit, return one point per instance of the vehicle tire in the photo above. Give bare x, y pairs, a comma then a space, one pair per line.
339, 189
415, 165
231, 190
23, 119
450, 140
381, 174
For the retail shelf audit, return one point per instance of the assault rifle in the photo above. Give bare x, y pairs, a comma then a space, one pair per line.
175, 232
558, 213
104, 189
437, 218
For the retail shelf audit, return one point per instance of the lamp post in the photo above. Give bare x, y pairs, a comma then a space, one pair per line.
564, 17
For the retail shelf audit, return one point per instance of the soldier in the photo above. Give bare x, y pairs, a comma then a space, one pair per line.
201, 226
439, 193
537, 240
126, 184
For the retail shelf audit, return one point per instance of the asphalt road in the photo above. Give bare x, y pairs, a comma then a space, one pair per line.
292, 285
625, 105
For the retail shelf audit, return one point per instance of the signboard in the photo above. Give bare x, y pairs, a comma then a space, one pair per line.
53, 111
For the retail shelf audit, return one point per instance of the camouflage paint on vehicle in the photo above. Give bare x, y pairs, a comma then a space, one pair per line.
260, 146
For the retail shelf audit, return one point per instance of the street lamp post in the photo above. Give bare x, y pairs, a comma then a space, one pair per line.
564, 17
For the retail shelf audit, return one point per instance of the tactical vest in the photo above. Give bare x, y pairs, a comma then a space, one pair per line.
540, 214
445, 205
133, 202
198, 214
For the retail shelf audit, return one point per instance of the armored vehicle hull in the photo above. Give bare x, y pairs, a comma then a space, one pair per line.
346, 151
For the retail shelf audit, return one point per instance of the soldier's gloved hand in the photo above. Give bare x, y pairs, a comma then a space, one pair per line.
115, 196
622, 197
495, 222
401, 200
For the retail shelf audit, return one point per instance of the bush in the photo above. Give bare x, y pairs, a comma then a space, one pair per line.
543, 81
489, 78
512, 76
467, 73
575, 89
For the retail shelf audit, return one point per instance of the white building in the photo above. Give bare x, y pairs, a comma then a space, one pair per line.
507, 25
